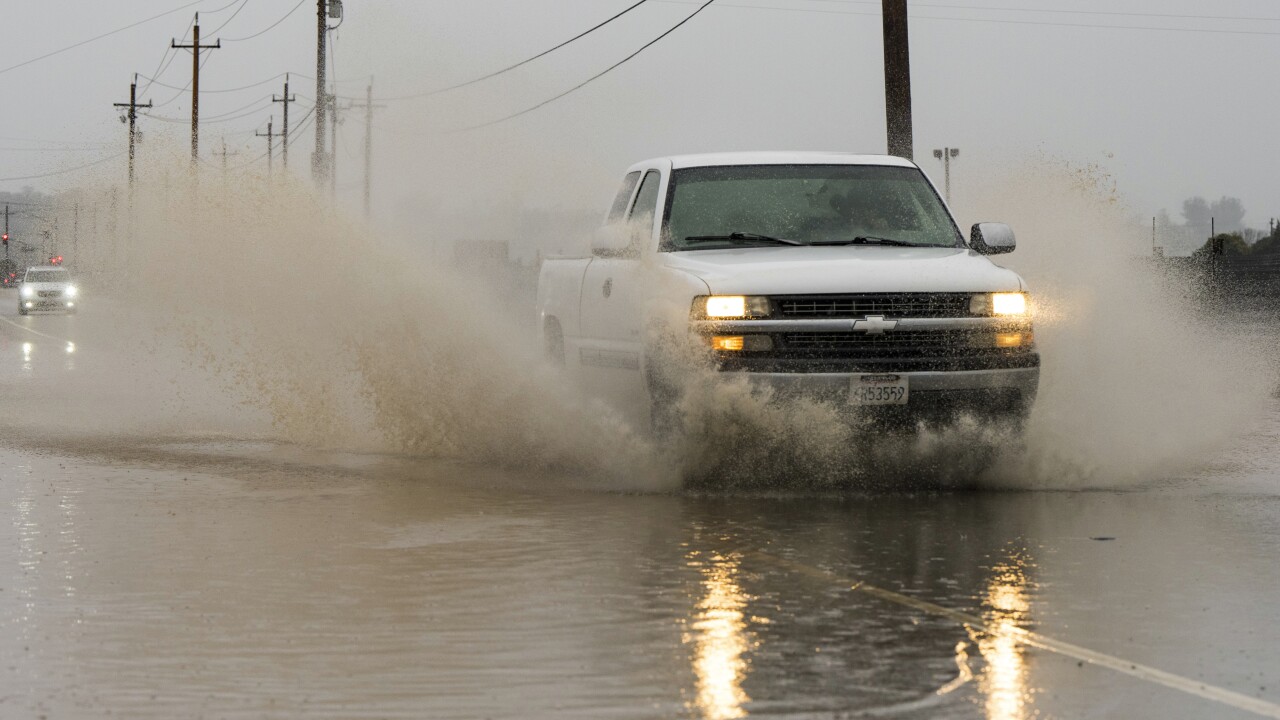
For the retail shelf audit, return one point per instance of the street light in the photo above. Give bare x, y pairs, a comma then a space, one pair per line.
945, 156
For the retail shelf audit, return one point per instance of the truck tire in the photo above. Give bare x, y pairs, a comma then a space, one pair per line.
665, 421
553, 342
662, 381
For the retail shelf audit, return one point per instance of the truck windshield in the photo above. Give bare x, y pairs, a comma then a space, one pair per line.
48, 276
717, 207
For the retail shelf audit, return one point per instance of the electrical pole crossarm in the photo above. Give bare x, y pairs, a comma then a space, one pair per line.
270, 135
286, 101
217, 45
195, 47
369, 106
133, 106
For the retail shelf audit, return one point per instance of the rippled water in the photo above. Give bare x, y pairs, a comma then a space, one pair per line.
251, 580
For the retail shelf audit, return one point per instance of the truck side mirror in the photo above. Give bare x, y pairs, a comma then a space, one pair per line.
611, 240
991, 238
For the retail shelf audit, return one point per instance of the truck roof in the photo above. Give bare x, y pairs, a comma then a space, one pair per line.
774, 158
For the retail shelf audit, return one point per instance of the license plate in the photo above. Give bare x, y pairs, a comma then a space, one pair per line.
878, 390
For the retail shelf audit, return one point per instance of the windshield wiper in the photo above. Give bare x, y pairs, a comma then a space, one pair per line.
741, 237
870, 240
873, 240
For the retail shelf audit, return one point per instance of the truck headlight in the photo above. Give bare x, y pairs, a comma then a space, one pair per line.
1005, 304
72, 291
27, 291
727, 307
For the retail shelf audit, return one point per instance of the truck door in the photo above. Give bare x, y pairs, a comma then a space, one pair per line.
611, 302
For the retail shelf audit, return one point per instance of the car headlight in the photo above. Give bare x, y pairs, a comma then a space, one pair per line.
728, 307
27, 292
1004, 304
72, 291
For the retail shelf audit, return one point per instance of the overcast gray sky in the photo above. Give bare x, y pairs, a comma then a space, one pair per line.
1171, 106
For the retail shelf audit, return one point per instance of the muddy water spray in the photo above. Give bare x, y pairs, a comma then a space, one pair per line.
1139, 379
351, 341
348, 340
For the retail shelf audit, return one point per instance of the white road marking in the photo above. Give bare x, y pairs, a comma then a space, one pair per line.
1231, 698
34, 332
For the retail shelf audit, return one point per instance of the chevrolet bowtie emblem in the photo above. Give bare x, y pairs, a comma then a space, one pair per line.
874, 325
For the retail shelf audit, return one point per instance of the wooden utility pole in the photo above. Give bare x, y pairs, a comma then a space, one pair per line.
284, 131
333, 142
224, 155
133, 122
369, 107
270, 136
319, 163
897, 77
195, 47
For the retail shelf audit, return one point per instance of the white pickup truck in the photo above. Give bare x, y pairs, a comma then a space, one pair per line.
832, 275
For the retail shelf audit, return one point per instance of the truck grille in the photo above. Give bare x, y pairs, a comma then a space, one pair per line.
49, 293
913, 341
916, 305
909, 343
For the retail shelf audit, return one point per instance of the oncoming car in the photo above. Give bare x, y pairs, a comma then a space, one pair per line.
47, 288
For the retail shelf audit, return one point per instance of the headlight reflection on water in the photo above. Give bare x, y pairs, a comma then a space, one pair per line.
1004, 678
720, 640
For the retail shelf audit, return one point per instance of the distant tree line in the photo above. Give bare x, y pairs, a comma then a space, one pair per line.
1221, 221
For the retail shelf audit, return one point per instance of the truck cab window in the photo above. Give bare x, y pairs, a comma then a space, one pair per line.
619, 207
646, 200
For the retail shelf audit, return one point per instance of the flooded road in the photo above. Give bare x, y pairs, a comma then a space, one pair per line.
164, 570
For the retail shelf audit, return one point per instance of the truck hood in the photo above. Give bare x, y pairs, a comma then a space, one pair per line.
843, 269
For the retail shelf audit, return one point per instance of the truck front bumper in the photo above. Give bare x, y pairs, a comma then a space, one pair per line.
950, 364
988, 393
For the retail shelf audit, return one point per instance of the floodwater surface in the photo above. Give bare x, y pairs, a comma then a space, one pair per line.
164, 570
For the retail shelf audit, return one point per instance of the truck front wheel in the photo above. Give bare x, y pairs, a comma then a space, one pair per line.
663, 383
553, 342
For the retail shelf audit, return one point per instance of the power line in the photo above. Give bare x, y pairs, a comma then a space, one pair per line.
270, 135
286, 100
253, 104
591, 79
302, 125
509, 68
271, 26
162, 67
181, 90
216, 119
1092, 25
224, 7
133, 106
195, 47
1177, 16
99, 37
42, 150
1046, 23
224, 90
90, 145
233, 17
99, 161
295, 134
